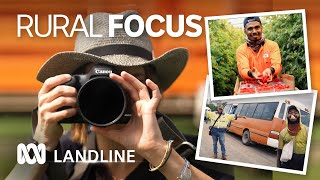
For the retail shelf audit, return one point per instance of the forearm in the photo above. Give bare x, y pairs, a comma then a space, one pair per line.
246, 73
27, 171
243, 65
276, 59
174, 165
276, 68
172, 168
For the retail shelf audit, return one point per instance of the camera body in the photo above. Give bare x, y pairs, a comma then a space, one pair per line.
100, 101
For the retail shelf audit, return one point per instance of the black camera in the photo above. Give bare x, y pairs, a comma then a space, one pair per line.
100, 101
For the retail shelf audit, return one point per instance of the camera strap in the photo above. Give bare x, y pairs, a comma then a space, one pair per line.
170, 132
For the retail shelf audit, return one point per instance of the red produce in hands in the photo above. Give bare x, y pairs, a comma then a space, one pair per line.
276, 80
264, 79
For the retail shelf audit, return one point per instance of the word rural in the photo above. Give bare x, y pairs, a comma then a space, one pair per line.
31, 26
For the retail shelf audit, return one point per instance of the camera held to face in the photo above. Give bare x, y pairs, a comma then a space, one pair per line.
100, 101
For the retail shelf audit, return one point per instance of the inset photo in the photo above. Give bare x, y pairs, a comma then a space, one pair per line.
258, 53
271, 132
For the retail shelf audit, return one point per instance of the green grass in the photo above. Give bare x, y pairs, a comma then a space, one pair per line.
185, 124
312, 173
316, 131
13, 130
15, 126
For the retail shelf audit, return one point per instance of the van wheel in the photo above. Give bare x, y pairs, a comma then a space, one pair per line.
246, 137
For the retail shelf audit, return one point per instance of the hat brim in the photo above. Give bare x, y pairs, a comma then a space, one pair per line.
168, 66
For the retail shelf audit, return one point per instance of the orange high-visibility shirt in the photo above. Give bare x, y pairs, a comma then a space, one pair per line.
268, 56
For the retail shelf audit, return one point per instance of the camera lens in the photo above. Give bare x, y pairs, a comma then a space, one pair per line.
101, 101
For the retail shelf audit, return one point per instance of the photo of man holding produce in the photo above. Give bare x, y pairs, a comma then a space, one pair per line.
247, 55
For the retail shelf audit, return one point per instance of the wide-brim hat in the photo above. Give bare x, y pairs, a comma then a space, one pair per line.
119, 51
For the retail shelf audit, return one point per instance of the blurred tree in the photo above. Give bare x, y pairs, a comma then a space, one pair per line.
212, 107
287, 31
224, 41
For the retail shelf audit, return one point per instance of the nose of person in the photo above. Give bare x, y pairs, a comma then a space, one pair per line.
254, 31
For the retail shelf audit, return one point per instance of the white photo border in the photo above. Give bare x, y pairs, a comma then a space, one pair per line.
312, 113
298, 11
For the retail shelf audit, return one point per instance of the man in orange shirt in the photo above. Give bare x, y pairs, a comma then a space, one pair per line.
258, 56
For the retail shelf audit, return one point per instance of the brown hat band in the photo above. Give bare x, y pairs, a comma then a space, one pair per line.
125, 49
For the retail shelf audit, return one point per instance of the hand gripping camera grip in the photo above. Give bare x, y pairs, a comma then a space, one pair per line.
77, 118
72, 82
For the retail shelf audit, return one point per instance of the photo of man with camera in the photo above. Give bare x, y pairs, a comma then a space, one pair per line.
109, 89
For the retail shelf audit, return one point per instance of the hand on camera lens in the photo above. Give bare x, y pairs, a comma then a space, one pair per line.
142, 133
51, 97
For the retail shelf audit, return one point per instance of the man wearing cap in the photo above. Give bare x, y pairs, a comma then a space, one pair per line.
143, 77
219, 122
297, 132
258, 55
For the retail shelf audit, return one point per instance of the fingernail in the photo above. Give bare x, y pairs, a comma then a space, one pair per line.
68, 76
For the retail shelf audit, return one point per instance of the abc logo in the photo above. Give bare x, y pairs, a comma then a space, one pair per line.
23, 153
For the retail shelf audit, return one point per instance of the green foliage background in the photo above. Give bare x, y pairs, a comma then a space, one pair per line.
224, 40
286, 30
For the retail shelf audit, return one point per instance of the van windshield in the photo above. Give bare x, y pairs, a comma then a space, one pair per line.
305, 117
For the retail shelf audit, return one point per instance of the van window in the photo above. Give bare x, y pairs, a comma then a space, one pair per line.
259, 109
305, 117
233, 109
238, 109
281, 113
269, 110
244, 110
227, 109
251, 109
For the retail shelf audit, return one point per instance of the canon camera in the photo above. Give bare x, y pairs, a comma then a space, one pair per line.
100, 101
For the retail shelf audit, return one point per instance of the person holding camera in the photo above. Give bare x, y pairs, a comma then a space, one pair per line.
74, 82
